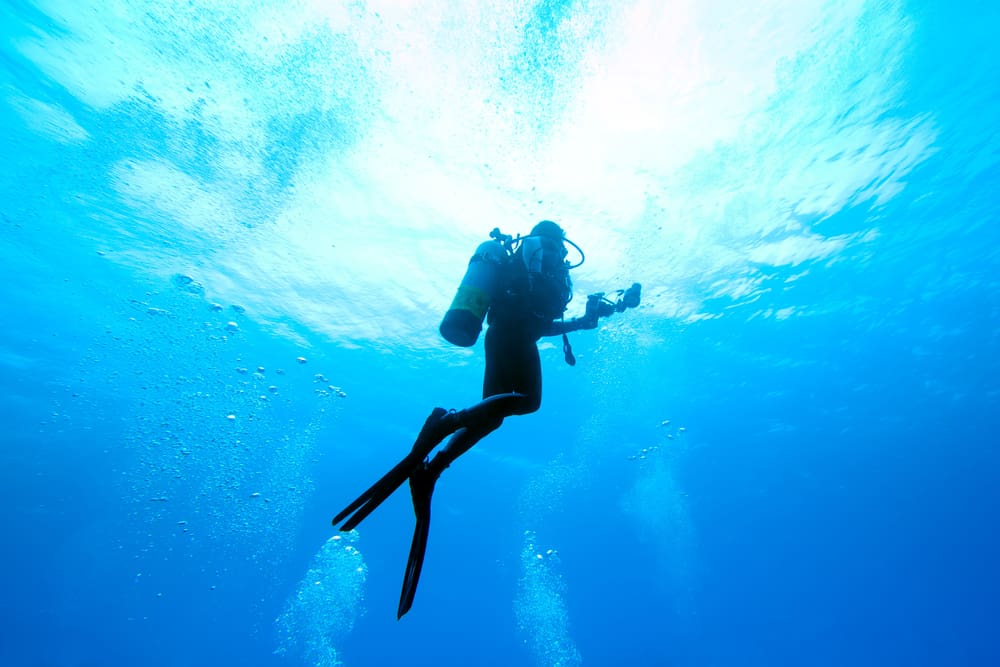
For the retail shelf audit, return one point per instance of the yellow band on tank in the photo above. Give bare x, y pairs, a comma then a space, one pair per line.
472, 299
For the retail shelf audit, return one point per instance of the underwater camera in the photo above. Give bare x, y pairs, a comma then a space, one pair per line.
598, 305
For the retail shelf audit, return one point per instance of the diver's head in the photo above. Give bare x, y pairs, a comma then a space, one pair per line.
548, 229
552, 237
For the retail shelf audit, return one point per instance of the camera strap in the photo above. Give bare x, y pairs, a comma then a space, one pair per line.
568, 351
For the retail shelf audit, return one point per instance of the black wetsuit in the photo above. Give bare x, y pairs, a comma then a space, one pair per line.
513, 365
519, 316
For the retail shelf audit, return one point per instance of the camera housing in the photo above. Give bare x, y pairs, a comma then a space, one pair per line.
599, 305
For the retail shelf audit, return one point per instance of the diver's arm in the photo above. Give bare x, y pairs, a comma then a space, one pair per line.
563, 327
598, 306
560, 327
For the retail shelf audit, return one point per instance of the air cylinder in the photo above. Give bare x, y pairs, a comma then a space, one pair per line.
463, 322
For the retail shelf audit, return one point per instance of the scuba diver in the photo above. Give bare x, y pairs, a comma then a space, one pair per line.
523, 284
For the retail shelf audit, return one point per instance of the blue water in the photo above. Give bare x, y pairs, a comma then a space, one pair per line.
230, 229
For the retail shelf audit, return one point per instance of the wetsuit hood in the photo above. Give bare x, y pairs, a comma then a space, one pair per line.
548, 229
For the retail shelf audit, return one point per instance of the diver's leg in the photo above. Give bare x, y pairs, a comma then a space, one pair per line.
513, 365
512, 385
463, 440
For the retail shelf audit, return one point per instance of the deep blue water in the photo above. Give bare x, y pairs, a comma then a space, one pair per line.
230, 231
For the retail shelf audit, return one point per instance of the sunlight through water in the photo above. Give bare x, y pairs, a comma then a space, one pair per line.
301, 146
231, 229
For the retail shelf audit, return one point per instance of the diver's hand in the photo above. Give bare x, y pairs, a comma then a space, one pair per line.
588, 321
595, 309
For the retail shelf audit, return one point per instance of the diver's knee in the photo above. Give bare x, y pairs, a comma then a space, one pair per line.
531, 404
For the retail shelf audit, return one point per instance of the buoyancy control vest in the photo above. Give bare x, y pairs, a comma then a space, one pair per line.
538, 279
529, 283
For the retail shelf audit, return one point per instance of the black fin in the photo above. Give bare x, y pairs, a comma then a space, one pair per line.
421, 489
369, 501
435, 430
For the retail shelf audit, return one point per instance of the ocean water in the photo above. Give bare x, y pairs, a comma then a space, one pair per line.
230, 229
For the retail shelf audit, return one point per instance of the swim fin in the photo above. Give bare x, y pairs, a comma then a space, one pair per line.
421, 489
436, 428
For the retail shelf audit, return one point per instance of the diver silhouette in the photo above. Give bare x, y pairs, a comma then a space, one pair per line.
523, 284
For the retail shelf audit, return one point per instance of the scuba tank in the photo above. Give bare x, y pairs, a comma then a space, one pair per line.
489, 274
463, 322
